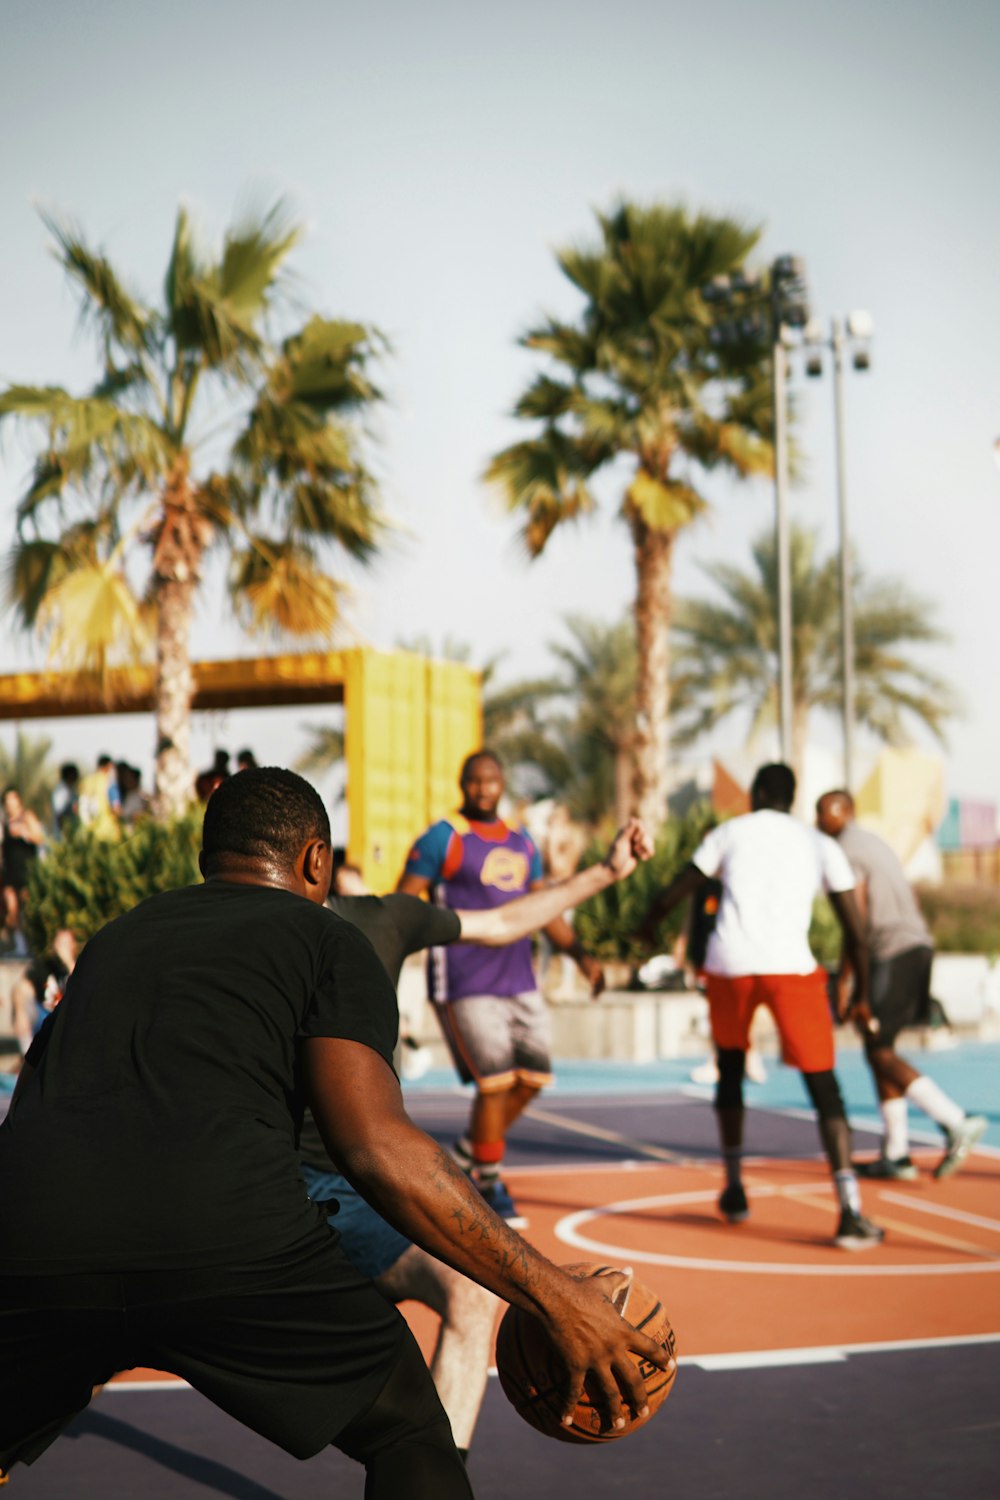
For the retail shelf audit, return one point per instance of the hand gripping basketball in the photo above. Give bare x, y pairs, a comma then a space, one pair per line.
535, 1377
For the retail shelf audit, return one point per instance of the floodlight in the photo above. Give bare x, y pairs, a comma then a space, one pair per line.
813, 331
862, 359
860, 325
814, 365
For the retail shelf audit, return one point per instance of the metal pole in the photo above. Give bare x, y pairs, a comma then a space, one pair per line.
782, 544
846, 595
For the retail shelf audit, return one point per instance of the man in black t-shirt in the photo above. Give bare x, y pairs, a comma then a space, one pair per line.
161, 1115
397, 926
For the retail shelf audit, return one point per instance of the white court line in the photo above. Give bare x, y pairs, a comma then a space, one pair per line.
958, 1214
146, 1385
760, 1359
568, 1230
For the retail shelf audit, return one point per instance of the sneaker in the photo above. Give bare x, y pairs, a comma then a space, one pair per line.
855, 1232
754, 1068
895, 1169
733, 1205
959, 1143
499, 1199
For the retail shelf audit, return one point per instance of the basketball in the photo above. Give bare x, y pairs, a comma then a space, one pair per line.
532, 1374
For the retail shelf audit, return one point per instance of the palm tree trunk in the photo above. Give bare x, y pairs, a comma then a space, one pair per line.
653, 610
174, 691
800, 740
624, 781
179, 542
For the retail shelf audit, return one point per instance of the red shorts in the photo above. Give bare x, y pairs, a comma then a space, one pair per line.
798, 1003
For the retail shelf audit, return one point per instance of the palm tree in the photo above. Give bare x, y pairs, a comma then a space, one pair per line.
205, 430
598, 678
29, 769
726, 653
637, 382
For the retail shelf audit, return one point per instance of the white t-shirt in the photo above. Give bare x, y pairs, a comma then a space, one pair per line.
771, 868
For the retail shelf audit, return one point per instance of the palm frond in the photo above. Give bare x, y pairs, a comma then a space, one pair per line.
123, 319
277, 587
325, 751
664, 505
92, 620
255, 249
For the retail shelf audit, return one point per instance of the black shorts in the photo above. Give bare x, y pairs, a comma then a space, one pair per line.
900, 992
296, 1348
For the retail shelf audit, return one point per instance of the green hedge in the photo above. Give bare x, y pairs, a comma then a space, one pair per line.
963, 918
83, 882
608, 923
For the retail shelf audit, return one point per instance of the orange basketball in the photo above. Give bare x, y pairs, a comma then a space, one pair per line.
532, 1374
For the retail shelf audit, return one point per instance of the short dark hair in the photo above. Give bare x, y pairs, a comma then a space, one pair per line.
265, 812
69, 771
470, 761
774, 785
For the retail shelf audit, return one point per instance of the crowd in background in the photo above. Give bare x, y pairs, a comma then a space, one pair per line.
108, 801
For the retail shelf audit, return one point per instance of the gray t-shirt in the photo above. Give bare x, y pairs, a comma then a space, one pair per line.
894, 921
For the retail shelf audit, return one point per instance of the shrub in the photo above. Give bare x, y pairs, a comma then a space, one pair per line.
963, 918
83, 882
609, 924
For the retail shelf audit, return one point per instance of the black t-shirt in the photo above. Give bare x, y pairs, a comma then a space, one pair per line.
160, 1128
396, 926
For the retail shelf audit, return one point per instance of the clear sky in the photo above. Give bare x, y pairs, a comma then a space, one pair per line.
439, 153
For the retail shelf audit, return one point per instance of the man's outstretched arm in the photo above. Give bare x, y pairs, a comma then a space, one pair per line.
516, 919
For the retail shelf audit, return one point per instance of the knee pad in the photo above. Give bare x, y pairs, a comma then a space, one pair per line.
729, 1089
824, 1091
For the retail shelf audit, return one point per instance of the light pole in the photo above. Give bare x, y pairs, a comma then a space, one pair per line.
773, 308
856, 336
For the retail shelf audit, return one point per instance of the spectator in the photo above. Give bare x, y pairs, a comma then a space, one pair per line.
23, 836
66, 800
100, 800
246, 761
135, 803
206, 782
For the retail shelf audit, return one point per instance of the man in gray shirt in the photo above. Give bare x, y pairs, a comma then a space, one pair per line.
900, 951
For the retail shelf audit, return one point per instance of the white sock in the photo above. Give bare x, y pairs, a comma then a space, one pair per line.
896, 1143
848, 1193
935, 1102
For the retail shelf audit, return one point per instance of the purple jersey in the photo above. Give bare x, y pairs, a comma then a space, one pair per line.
471, 867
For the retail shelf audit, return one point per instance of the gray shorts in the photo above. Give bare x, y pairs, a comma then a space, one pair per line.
495, 1040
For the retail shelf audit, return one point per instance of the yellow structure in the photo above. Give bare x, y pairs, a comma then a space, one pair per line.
409, 724
903, 798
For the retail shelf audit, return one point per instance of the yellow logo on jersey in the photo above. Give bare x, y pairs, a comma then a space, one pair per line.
507, 869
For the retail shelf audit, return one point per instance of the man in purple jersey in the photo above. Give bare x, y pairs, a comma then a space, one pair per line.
494, 1020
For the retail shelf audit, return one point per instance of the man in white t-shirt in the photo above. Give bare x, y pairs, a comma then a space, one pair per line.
771, 868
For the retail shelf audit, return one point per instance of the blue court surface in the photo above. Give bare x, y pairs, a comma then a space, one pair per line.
853, 1416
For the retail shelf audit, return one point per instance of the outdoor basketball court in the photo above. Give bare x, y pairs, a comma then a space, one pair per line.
804, 1370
